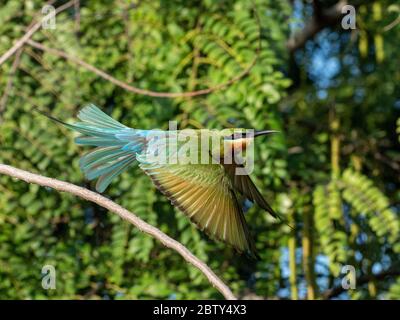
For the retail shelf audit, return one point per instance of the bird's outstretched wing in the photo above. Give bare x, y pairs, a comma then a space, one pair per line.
204, 193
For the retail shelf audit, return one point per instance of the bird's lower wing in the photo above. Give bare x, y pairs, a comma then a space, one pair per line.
246, 187
204, 194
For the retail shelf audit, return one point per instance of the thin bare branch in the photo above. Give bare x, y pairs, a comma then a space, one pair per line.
133, 89
124, 214
27, 39
77, 9
151, 93
15, 65
30, 32
391, 25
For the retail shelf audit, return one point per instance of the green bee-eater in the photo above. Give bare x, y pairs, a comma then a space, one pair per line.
208, 191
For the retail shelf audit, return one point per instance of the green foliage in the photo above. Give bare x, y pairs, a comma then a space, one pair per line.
338, 241
394, 291
367, 200
329, 222
342, 78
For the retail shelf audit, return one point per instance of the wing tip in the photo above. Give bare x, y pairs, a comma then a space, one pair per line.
253, 255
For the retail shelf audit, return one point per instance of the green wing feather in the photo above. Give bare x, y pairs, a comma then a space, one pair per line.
204, 193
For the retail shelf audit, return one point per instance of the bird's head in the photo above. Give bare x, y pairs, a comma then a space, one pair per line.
238, 139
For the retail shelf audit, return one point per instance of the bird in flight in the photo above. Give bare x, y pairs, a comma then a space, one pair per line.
207, 189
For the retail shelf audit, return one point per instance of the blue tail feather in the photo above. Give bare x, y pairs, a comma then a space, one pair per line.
116, 145
93, 115
97, 141
109, 157
113, 154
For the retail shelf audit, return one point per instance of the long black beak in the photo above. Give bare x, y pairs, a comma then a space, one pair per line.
264, 132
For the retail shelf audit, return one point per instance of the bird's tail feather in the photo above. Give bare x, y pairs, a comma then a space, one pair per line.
112, 154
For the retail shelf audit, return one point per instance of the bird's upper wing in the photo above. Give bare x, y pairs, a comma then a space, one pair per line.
204, 193
246, 186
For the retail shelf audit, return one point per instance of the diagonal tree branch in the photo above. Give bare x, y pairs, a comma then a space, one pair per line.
124, 214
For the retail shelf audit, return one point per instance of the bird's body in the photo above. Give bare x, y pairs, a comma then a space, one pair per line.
201, 182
